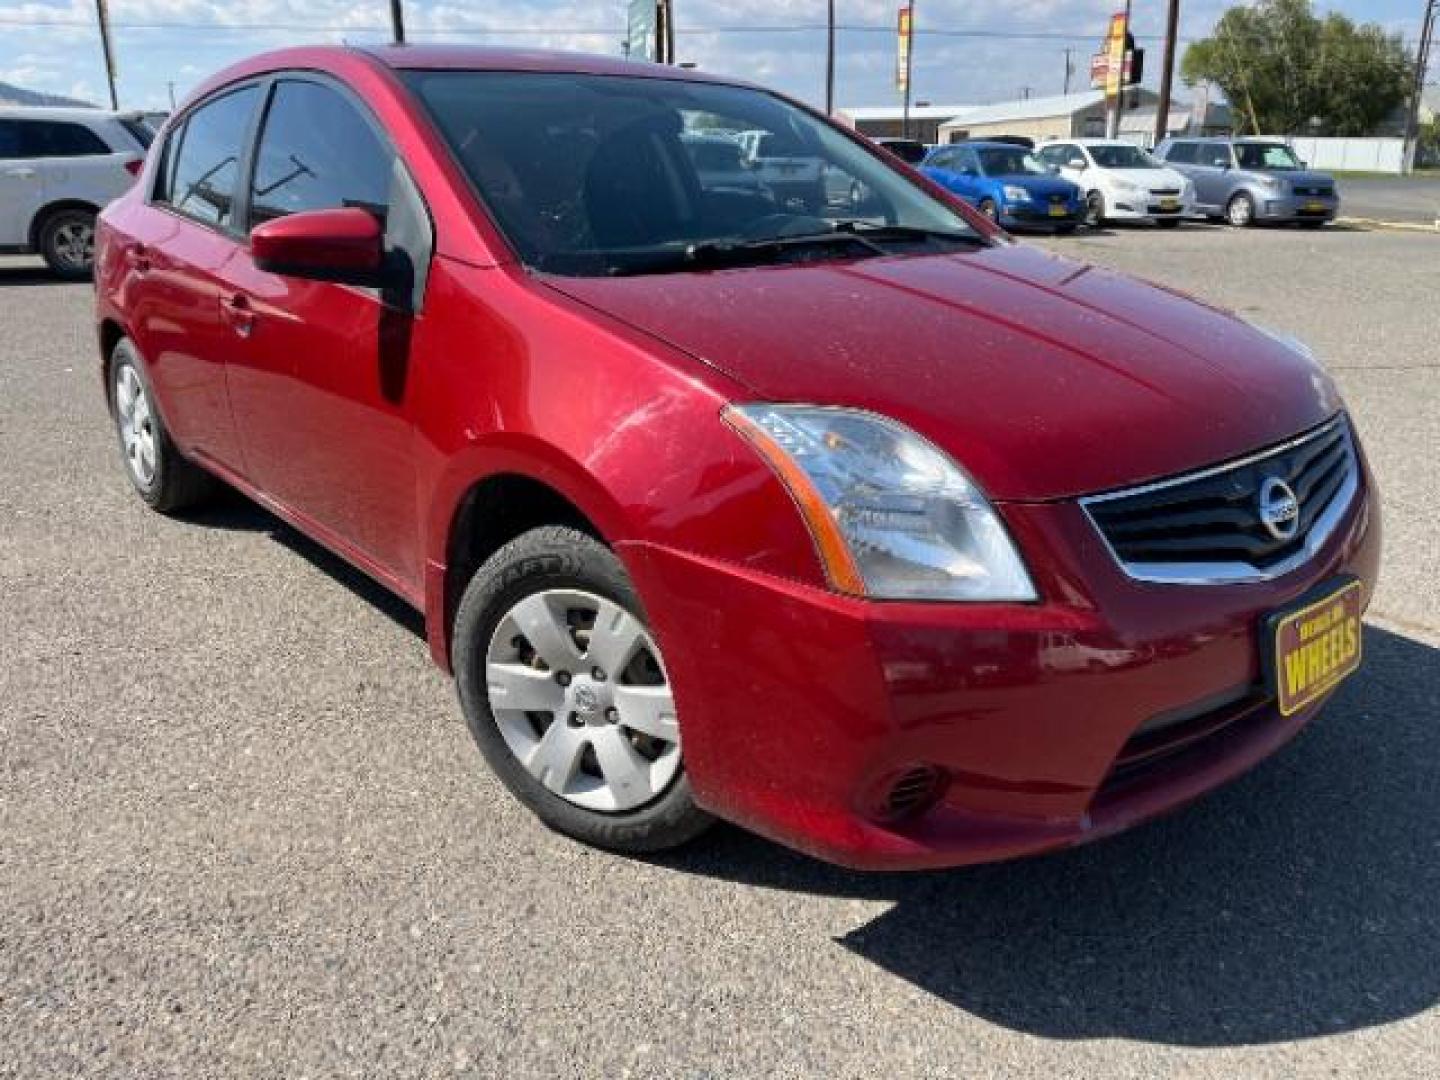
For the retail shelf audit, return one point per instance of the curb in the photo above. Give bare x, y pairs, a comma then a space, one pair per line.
1397, 226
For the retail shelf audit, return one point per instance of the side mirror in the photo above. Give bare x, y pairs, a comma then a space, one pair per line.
344, 245
1077, 163
1304, 164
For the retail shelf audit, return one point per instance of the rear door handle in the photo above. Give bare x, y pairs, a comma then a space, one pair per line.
236, 311
137, 258
21, 173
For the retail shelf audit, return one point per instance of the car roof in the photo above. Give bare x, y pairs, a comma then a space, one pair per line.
63, 112
989, 144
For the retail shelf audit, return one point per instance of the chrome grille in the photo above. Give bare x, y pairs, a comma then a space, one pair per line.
1207, 526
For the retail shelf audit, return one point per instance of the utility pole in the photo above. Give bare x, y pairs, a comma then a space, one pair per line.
103, 14
397, 23
830, 61
1069, 69
1167, 74
1422, 61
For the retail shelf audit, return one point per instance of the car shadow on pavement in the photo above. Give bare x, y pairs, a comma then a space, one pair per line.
1301, 901
232, 510
38, 274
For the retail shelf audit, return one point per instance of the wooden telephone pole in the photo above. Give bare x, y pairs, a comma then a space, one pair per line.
1167, 74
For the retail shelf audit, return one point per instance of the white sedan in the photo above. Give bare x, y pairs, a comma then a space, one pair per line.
1121, 181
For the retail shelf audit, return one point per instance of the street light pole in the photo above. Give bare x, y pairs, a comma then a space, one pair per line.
397, 22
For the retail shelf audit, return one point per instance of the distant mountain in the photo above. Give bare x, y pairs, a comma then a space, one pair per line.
14, 95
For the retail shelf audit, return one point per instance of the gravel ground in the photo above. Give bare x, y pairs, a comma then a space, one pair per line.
243, 831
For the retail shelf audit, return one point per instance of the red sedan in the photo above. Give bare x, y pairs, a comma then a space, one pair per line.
842, 517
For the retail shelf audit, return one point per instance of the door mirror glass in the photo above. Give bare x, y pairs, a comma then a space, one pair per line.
343, 245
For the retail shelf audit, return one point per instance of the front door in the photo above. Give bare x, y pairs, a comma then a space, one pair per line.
319, 373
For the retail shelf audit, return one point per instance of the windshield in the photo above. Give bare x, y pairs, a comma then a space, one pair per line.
1122, 157
1275, 156
601, 174
1010, 161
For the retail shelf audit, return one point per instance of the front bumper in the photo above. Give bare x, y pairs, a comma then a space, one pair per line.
1038, 215
800, 707
1148, 207
1290, 207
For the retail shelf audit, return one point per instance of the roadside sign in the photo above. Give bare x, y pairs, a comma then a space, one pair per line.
902, 53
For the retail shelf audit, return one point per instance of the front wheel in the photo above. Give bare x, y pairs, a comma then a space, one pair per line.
566, 694
1095, 209
1240, 210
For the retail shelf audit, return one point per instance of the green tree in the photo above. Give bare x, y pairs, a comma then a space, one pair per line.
1286, 71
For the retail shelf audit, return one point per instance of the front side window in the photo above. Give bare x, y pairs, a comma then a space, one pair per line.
1010, 161
316, 152
1275, 157
206, 166
1181, 153
601, 174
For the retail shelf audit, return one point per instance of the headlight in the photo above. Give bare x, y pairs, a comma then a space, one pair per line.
1127, 187
1016, 194
1274, 183
893, 517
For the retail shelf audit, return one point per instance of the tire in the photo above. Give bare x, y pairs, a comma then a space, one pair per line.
1168, 223
990, 210
165, 480
1240, 210
532, 587
1095, 209
67, 243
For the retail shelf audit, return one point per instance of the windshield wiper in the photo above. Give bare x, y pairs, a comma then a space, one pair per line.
740, 252
862, 228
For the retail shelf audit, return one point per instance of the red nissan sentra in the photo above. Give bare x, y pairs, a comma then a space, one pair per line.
822, 507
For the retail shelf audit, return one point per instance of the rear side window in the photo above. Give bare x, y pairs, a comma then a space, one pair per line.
317, 152
48, 139
139, 130
206, 166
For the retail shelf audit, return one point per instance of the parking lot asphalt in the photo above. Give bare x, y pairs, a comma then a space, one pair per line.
1411, 200
243, 830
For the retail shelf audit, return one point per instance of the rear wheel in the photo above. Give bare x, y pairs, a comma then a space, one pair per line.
160, 475
1240, 210
67, 243
567, 696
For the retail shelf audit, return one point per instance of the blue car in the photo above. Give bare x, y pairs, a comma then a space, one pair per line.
1008, 184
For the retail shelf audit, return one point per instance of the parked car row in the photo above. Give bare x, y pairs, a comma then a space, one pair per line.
1063, 183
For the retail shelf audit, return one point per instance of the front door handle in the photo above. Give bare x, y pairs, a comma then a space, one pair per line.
236, 311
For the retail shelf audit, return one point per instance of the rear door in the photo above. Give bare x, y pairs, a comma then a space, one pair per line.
1212, 174
176, 250
320, 373
21, 188
77, 162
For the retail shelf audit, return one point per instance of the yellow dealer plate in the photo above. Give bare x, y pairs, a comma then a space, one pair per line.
1315, 647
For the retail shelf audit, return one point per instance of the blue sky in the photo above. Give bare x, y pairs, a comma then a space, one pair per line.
52, 44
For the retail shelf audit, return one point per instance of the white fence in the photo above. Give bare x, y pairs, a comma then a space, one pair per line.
1354, 155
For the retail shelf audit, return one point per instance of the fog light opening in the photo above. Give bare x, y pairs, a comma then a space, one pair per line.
911, 793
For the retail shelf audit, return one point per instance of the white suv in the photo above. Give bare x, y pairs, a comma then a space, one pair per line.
58, 167
1121, 181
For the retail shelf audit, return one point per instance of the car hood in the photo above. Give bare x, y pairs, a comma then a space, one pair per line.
1148, 178
1044, 186
1042, 376
1304, 178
